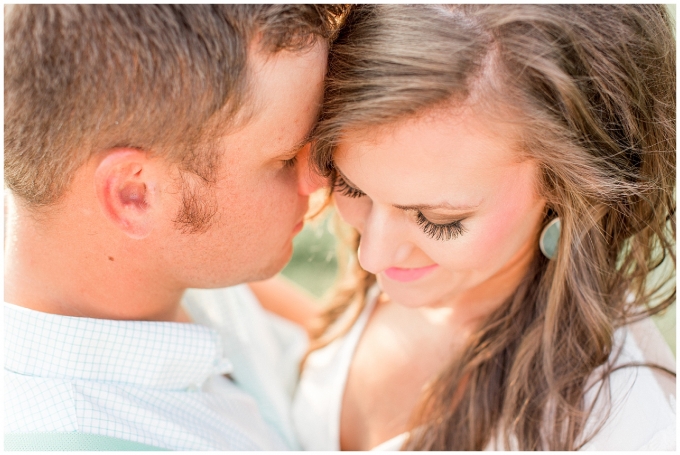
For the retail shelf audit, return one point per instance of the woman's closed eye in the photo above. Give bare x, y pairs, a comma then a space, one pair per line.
446, 231
342, 187
437, 231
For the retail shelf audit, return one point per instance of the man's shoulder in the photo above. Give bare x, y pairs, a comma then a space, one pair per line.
154, 383
217, 416
35, 404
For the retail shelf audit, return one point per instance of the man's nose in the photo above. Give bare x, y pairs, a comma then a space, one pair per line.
308, 180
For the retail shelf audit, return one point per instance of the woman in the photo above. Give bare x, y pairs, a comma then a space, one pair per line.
510, 171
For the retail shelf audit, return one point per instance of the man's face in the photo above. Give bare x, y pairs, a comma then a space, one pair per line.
262, 188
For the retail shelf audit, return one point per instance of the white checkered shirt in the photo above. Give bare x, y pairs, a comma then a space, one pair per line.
156, 383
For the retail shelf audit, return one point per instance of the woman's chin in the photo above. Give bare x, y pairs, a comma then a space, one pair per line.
408, 294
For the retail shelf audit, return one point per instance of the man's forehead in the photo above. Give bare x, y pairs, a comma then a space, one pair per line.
285, 94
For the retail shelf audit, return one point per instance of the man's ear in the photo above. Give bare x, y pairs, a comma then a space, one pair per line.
125, 181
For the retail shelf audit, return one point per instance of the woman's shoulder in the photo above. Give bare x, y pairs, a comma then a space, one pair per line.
642, 412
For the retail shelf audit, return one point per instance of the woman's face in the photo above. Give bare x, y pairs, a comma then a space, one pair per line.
445, 207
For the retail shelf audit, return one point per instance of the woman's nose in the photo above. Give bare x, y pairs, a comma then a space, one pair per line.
383, 242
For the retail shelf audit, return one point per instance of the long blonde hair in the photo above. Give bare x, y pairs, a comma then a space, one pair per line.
593, 87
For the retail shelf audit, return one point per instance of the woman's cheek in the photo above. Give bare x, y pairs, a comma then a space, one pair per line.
484, 244
496, 239
492, 240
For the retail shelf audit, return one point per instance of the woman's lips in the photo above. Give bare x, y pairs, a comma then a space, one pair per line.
404, 275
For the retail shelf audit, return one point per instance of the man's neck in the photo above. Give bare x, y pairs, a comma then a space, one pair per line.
76, 269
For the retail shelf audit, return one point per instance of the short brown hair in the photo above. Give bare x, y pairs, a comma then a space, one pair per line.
80, 79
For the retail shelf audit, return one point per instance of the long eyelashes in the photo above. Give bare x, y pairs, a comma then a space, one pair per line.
343, 188
440, 231
436, 231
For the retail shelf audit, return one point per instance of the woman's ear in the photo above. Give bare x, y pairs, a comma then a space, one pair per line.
125, 182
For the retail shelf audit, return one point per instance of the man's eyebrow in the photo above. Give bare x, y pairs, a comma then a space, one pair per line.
296, 148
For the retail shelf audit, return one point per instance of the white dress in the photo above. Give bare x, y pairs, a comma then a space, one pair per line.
643, 400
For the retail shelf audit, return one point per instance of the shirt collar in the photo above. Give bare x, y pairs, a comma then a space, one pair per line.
165, 355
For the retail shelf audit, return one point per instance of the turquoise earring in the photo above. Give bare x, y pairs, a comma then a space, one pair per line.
550, 237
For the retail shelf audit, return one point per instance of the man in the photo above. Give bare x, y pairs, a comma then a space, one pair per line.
148, 149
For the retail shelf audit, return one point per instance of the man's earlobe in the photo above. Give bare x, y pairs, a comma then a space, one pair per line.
125, 188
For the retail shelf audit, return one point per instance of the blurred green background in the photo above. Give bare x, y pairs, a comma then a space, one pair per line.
314, 266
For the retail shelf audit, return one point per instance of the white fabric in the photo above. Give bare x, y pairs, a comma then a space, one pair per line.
318, 398
156, 383
643, 415
264, 348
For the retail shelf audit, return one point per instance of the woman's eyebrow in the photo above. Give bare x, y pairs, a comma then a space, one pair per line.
443, 205
344, 177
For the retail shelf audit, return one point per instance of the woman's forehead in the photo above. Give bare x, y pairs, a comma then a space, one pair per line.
460, 159
460, 140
